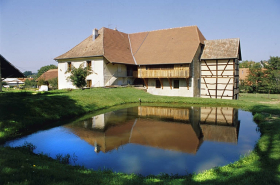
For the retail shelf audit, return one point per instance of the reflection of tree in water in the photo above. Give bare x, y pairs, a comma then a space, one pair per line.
175, 129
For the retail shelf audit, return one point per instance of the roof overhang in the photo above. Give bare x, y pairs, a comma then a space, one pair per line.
8, 70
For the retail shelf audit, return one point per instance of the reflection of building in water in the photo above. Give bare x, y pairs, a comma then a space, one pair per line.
219, 124
175, 129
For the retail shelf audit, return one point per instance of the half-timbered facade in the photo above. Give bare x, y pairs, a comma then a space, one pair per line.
220, 69
168, 62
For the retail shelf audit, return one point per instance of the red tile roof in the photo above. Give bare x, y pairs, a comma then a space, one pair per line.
50, 74
175, 45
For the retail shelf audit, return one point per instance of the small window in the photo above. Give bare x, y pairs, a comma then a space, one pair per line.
88, 63
176, 84
158, 85
88, 83
69, 66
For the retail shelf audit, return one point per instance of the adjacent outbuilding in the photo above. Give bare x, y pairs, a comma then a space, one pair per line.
7, 70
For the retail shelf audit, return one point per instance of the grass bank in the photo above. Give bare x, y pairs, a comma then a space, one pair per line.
22, 113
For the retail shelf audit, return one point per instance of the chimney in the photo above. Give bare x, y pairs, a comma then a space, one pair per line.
94, 34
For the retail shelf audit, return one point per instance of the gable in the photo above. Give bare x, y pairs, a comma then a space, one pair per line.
87, 48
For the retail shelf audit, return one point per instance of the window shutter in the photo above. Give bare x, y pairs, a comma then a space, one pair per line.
85, 64
66, 66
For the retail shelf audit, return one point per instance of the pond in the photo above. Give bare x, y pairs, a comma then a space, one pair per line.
152, 140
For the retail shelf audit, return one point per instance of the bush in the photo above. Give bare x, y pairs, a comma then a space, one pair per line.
258, 117
78, 75
30, 83
63, 159
53, 83
42, 82
28, 146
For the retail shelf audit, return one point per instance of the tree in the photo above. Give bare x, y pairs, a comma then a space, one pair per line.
27, 73
54, 83
255, 78
45, 69
30, 83
42, 82
78, 75
272, 74
246, 64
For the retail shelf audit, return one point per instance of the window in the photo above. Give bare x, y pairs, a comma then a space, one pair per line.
176, 84
68, 66
158, 85
88, 83
89, 64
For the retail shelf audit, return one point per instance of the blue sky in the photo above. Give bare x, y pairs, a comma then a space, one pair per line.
33, 32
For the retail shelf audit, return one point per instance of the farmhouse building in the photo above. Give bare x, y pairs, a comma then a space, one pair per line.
171, 62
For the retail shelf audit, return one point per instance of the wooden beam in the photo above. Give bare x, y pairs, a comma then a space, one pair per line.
208, 67
225, 67
224, 117
145, 82
170, 82
188, 83
207, 88
226, 88
233, 79
160, 80
216, 78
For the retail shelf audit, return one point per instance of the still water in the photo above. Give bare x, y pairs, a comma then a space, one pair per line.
151, 140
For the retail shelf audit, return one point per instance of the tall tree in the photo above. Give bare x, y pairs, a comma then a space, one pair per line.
272, 74
255, 77
45, 69
246, 64
27, 73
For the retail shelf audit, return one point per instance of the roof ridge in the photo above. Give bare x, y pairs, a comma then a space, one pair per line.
51, 70
165, 29
72, 48
224, 39
131, 50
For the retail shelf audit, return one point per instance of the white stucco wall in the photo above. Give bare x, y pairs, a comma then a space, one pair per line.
167, 91
104, 73
96, 77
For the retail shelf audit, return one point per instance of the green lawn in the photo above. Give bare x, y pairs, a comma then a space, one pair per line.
22, 113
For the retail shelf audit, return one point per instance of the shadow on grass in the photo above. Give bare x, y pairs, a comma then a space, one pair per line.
23, 113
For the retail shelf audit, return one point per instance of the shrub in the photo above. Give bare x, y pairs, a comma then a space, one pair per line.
28, 146
258, 117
